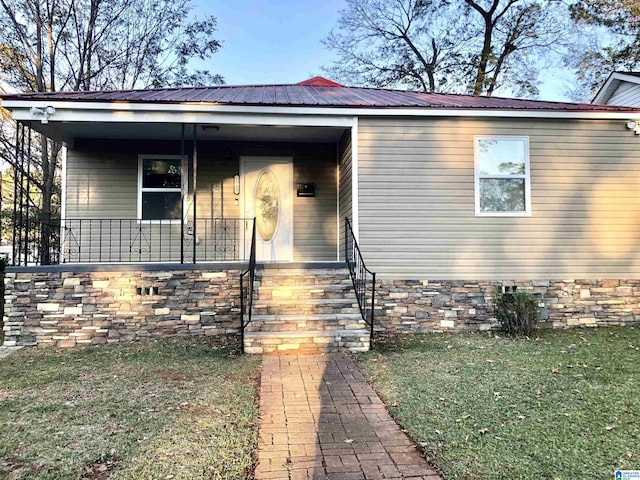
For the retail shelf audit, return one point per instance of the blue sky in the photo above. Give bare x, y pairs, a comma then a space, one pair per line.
272, 41
279, 41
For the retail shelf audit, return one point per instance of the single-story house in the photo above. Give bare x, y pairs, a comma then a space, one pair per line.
447, 196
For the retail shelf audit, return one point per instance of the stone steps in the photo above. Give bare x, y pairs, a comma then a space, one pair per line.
287, 323
299, 310
304, 292
307, 342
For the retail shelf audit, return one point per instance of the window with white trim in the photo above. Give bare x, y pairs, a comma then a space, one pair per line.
159, 187
502, 179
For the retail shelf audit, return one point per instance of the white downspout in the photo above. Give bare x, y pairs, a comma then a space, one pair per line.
63, 202
355, 217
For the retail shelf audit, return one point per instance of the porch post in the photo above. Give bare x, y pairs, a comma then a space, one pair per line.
195, 189
27, 201
182, 193
19, 181
14, 244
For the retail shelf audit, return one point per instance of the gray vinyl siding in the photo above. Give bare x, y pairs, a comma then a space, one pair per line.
416, 201
344, 173
315, 233
627, 94
102, 183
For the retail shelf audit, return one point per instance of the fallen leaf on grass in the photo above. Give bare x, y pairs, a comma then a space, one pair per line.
482, 431
555, 370
609, 427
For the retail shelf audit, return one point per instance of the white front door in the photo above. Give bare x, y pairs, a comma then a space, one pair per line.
267, 194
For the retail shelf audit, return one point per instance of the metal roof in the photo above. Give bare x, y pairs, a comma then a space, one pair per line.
309, 95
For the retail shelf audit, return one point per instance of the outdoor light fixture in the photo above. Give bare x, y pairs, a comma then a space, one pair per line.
43, 113
634, 125
236, 184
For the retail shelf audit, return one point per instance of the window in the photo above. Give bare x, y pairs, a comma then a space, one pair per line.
159, 181
502, 176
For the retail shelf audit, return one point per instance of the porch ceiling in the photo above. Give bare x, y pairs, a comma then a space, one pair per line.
69, 131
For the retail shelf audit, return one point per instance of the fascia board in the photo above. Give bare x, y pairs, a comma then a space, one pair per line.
221, 118
612, 83
271, 115
626, 78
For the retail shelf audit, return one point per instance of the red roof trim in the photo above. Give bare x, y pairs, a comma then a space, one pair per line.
320, 82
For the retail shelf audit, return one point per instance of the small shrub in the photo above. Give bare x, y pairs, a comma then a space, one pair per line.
516, 311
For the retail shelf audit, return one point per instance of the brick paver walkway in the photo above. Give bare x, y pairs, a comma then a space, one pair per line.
319, 419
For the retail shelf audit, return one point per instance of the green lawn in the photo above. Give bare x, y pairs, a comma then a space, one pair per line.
173, 408
565, 405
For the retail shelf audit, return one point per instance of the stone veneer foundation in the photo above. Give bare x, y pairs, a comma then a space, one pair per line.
50, 306
67, 306
414, 305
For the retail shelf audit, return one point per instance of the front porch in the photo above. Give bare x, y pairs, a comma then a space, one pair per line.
176, 193
160, 218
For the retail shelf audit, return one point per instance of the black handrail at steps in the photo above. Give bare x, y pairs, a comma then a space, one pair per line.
359, 272
251, 271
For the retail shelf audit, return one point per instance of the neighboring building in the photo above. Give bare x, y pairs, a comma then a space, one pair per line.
450, 197
621, 88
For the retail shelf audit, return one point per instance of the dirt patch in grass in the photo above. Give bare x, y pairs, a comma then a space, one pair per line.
100, 470
175, 375
562, 405
174, 407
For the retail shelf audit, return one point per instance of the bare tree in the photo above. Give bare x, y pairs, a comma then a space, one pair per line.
390, 42
610, 40
473, 46
51, 45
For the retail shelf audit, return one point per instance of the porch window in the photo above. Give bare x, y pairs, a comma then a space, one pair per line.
502, 179
160, 178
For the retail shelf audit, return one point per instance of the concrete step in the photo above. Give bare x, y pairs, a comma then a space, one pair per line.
307, 342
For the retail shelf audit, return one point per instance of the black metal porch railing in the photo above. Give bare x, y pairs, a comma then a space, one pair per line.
364, 280
246, 294
38, 243
109, 240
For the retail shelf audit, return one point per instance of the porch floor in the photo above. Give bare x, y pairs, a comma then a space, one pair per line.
320, 419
